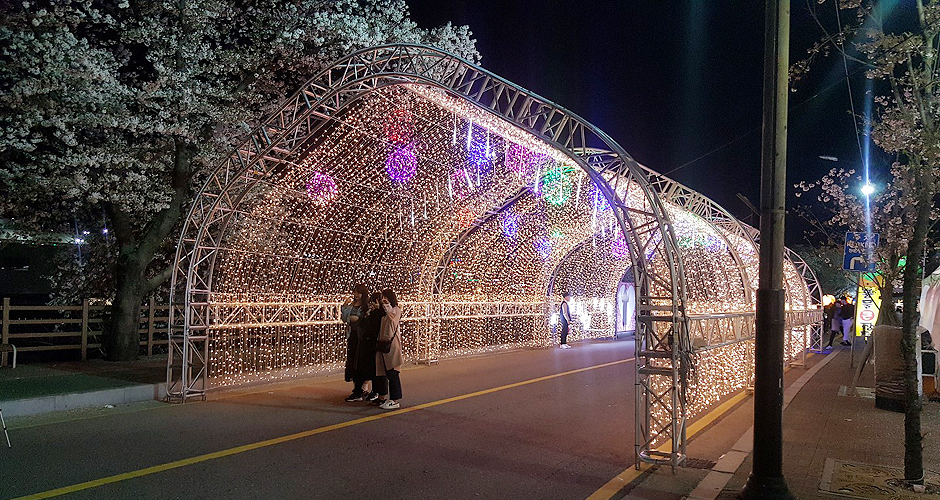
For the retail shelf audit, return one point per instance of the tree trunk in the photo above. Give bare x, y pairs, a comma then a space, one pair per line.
138, 243
913, 446
122, 337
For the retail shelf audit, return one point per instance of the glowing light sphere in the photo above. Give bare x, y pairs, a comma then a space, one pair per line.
522, 160
619, 248
465, 217
510, 224
321, 189
556, 185
402, 164
478, 147
543, 247
400, 128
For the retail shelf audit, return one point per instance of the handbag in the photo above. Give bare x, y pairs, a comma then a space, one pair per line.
384, 346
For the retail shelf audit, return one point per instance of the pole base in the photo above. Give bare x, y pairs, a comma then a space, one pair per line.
766, 488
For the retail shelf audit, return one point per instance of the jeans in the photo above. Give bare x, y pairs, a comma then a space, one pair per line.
847, 330
389, 385
564, 332
394, 384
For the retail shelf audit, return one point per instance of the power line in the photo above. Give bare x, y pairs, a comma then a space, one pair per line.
808, 100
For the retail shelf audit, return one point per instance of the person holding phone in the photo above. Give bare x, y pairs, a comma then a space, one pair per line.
388, 364
369, 327
350, 312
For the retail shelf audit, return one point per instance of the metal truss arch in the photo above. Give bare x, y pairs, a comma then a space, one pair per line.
661, 295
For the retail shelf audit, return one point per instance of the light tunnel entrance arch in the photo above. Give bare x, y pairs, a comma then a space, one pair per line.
407, 167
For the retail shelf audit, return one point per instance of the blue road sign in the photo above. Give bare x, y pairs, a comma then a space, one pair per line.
856, 252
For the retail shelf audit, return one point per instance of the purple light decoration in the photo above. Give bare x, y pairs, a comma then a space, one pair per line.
402, 164
544, 247
477, 150
619, 248
321, 189
510, 223
597, 198
522, 160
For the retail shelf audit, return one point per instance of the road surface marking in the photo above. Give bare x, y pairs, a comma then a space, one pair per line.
626, 477
616, 484
299, 435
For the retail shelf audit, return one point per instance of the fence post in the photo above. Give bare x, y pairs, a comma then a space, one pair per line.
5, 329
84, 329
150, 328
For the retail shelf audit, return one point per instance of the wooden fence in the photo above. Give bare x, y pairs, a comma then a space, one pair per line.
59, 328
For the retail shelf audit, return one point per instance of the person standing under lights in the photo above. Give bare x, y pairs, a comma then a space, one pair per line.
351, 311
565, 317
388, 364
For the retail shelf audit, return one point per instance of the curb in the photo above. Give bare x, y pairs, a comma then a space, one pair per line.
716, 480
70, 401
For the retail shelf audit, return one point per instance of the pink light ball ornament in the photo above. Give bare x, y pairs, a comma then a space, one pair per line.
321, 189
522, 160
402, 164
400, 127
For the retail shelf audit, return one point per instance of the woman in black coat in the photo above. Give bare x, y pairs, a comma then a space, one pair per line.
368, 334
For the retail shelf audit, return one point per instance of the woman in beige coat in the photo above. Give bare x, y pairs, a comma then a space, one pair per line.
388, 365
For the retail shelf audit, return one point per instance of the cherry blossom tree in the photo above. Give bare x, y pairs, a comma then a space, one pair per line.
116, 109
904, 62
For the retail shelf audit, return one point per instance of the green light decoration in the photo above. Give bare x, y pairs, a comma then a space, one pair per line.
556, 234
557, 184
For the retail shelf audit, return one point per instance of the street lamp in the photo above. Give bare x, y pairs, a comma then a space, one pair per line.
868, 189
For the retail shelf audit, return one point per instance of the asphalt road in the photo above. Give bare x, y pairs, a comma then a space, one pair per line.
559, 437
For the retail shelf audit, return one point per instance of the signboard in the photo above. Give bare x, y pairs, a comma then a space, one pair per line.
867, 303
856, 250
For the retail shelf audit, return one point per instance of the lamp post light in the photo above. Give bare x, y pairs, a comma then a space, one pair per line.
868, 189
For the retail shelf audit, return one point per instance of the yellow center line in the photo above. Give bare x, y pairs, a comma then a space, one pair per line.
616, 484
299, 435
626, 477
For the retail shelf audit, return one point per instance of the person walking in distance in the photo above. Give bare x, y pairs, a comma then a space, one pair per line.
565, 316
835, 323
848, 318
388, 363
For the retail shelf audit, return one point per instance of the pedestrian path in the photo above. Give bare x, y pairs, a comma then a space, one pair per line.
834, 438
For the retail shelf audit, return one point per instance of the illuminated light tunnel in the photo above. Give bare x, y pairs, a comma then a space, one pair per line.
479, 202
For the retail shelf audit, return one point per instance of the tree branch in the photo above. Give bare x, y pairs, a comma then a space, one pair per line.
158, 279
162, 223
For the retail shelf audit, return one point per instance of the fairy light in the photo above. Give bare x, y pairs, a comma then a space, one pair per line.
402, 164
321, 189
404, 190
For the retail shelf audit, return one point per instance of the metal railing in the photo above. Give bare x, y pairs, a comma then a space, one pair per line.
73, 327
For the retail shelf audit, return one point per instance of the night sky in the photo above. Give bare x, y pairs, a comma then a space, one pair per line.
670, 81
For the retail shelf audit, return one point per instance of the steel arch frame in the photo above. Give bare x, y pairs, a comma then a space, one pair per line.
317, 102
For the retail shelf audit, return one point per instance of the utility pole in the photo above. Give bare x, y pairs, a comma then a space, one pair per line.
766, 481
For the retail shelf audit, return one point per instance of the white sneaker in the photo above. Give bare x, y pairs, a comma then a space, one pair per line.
390, 405
565, 346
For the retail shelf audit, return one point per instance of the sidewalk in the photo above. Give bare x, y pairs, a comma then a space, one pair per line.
831, 437
46, 387
832, 440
